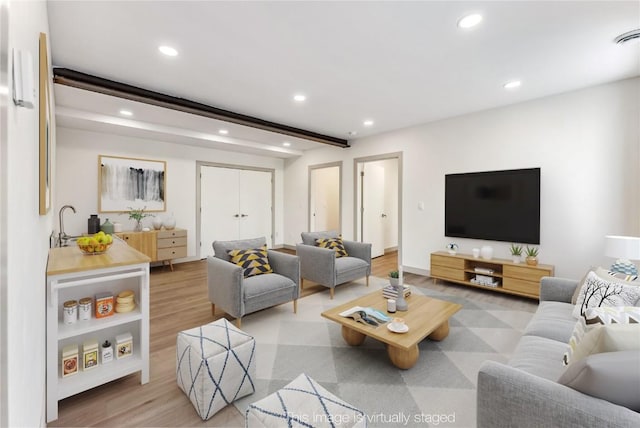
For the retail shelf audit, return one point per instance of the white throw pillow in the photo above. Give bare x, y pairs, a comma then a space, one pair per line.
606, 274
612, 315
605, 338
599, 291
597, 317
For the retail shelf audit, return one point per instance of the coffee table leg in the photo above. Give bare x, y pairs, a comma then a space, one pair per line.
403, 358
440, 332
352, 337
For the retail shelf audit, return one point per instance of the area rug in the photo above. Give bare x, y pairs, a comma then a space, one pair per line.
440, 390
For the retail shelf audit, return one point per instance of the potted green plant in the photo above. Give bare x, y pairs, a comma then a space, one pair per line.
394, 278
452, 247
532, 256
516, 253
138, 214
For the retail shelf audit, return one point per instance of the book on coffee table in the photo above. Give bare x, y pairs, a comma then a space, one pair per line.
372, 312
390, 292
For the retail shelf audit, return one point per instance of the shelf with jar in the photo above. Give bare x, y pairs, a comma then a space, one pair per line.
116, 287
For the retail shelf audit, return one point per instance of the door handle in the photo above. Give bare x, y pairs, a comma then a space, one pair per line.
244, 215
236, 215
384, 215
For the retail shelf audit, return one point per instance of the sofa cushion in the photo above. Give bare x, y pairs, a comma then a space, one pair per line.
613, 315
600, 316
578, 333
601, 291
552, 320
256, 286
606, 274
612, 376
605, 338
221, 248
539, 356
334, 244
253, 261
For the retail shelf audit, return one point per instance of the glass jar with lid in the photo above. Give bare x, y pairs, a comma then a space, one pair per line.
70, 311
84, 308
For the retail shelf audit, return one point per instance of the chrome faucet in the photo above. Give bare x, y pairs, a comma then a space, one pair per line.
62, 236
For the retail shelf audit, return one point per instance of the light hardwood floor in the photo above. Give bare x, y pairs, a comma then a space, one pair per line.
179, 301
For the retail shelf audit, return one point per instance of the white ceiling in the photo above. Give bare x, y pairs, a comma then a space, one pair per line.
397, 63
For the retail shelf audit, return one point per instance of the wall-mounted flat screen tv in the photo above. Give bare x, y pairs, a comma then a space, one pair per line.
494, 205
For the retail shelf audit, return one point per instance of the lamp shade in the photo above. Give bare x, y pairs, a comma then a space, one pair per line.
622, 247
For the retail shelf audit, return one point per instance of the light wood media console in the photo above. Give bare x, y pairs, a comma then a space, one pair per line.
512, 278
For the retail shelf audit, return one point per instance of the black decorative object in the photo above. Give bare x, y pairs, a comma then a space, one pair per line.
93, 224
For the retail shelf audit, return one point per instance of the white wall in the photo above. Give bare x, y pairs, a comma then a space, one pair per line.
586, 142
77, 178
25, 242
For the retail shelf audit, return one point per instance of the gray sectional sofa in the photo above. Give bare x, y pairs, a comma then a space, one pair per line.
525, 392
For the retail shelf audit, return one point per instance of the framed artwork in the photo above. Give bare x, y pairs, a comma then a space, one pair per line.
45, 130
125, 183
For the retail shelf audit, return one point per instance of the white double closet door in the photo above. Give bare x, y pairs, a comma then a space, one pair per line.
235, 204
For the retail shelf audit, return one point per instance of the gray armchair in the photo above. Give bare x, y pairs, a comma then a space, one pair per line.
239, 296
321, 265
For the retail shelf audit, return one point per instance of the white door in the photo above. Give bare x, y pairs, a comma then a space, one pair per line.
235, 204
324, 198
373, 207
219, 216
255, 205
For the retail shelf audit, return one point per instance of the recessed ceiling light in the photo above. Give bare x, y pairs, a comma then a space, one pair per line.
223, 131
126, 113
168, 50
286, 144
368, 122
299, 97
513, 84
469, 21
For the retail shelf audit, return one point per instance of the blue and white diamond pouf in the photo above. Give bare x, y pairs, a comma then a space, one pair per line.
303, 403
215, 365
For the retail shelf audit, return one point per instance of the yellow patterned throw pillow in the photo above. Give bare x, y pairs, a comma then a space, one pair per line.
335, 244
254, 261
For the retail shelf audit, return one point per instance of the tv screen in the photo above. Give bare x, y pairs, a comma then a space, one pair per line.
494, 205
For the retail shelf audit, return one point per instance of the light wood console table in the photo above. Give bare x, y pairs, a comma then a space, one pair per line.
512, 278
160, 245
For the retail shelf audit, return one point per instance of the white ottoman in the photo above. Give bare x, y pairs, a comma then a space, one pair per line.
303, 402
215, 365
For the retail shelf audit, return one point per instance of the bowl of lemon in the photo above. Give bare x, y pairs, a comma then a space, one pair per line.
95, 244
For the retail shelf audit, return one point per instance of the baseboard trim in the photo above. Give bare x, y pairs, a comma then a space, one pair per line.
289, 247
391, 249
416, 271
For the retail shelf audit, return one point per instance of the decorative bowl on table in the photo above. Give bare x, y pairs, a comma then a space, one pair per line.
95, 244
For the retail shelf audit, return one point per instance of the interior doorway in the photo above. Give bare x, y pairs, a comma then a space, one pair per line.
325, 197
378, 203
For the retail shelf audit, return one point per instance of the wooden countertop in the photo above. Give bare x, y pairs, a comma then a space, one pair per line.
71, 259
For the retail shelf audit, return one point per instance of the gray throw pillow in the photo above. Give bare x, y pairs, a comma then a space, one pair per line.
611, 376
